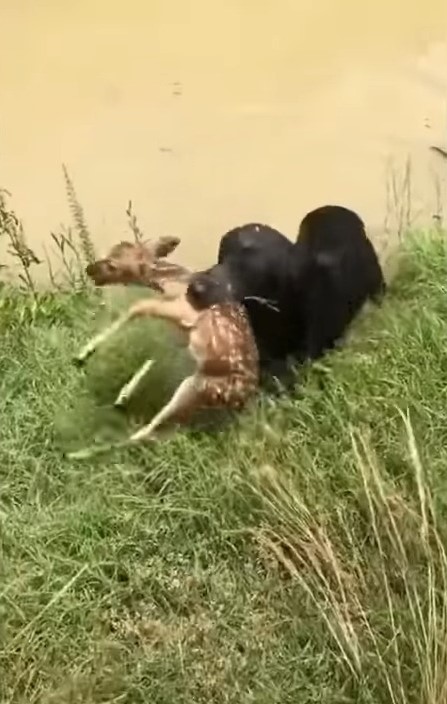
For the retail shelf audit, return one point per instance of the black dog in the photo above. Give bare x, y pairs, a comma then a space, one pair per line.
300, 297
337, 271
253, 267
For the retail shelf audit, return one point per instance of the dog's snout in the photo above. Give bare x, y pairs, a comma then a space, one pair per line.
211, 286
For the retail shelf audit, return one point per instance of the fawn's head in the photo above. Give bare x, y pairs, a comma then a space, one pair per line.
138, 263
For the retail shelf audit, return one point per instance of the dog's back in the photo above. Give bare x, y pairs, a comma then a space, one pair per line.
336, 236
336, 271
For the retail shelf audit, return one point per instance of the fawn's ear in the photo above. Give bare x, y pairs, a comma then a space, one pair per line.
164, 246
169, 270
164, 274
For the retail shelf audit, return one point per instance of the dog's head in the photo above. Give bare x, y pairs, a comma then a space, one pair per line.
258, 261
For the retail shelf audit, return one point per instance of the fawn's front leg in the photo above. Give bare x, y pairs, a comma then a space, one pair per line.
177, 311
98, 340
182, 403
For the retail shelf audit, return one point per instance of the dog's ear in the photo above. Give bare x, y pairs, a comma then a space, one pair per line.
326, 260
328, 266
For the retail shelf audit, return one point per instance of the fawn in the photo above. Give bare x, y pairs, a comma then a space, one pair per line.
220, 338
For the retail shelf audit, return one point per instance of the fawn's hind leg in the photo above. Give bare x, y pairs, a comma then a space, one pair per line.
129, 389
184, 401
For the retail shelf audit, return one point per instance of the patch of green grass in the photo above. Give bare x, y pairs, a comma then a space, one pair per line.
298, 555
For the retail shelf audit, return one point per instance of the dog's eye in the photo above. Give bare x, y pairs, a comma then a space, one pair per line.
247, 243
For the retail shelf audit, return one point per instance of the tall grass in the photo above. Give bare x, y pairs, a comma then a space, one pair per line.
11, 230
296, 554
74, 247
84, 237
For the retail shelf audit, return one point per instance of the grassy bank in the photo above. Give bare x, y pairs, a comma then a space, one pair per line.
296, 556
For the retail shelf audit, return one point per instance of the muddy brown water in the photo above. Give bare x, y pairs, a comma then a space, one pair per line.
209, 113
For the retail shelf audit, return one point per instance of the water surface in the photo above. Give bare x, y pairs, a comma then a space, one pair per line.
209, 113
